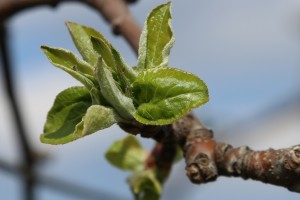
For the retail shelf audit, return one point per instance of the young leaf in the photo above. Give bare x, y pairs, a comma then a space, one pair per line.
123, 105
97, 97
126, 154
103, 49
81, 36
122, 66
67, 111
144, 185
68, 62
122, 73
156, 39
164, 95
67, 58
96, 118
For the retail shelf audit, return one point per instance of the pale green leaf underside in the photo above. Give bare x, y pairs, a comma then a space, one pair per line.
96, 118
123, 74
81, 36
68, 62
156, 39
164, 95
123, 105
126, 154
67, 111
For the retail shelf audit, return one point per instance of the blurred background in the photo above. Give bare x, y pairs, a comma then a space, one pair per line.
246, 51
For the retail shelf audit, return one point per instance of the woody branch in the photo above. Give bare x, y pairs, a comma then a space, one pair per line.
115, 12
205, 158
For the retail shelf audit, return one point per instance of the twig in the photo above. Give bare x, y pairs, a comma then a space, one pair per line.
115, 12
59, 185
26, 151
206, 159
278, 167
119, 17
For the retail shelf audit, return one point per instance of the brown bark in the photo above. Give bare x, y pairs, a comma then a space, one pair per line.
278, 167
205, 158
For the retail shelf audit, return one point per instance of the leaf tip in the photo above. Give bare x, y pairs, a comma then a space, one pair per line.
44, 47
69, 23
44, 140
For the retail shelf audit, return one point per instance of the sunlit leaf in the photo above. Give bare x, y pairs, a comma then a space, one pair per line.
164, 95
67, 111
156, 39
123, 105
122, 73
81, 36
68, 62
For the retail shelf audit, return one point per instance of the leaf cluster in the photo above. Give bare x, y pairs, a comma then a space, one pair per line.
113, 92
151, 93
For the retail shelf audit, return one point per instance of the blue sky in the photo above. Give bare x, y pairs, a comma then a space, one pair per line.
246, 51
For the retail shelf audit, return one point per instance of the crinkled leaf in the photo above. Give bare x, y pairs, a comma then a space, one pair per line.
164, 95
157, 38
81, 36
126, 154
67, 111
96, 118
68, 62
123, 105
144, 185
122, 73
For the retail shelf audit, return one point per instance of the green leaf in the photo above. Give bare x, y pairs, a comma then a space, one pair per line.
126, 154
68, 62
164, 95
123, 105
122, 67
156, 39
97, 97
96, 118
123, 74
144, 185
67, 111
104, 50
81, 36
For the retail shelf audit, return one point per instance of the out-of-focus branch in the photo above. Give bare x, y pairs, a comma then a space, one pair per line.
59, 185
9, 7
26, 150
163, 154
115, 12
119, 17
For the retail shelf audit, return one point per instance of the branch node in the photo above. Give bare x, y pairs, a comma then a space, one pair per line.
202, 171
292, 161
